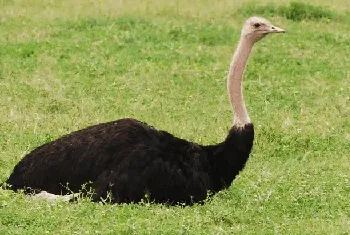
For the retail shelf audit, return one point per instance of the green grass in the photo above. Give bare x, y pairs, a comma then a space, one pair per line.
65, 65
295, 11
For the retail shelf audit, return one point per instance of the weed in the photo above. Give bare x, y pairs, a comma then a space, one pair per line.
295, 11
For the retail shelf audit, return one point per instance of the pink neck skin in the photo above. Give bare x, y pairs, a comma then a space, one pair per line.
234, 82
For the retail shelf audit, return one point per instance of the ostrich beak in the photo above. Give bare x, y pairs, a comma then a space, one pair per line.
274, 29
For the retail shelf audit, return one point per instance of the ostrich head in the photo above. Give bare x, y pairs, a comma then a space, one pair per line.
255, 28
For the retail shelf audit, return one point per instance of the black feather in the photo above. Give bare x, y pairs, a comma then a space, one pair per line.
130, 159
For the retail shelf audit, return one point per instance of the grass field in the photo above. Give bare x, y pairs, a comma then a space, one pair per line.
65, 65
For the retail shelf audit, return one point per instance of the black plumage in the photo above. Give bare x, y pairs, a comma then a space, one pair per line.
130, 159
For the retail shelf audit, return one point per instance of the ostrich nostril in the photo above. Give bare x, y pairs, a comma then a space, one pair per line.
272, 27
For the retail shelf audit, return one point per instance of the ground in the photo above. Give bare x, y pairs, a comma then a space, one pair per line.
65, 65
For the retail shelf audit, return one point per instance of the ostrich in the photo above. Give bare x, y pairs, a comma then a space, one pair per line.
127, 160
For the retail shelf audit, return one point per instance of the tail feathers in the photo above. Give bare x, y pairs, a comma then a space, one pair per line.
4, 185
12, 184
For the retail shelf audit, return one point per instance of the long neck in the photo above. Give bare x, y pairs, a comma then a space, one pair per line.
234, 83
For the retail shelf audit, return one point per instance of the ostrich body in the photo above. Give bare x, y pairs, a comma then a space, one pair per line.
127, 159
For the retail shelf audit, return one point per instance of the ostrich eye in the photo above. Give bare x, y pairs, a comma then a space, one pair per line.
257, 25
